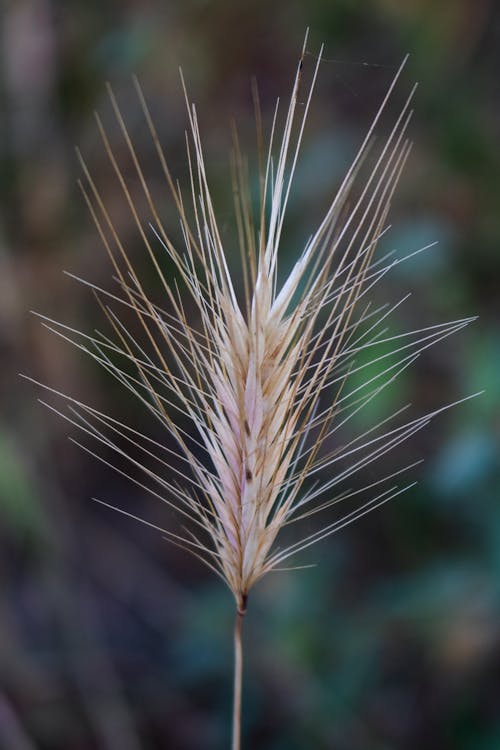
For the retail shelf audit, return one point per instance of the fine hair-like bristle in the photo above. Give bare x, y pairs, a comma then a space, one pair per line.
265, 383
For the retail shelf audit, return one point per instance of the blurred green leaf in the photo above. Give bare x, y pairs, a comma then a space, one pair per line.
20, 507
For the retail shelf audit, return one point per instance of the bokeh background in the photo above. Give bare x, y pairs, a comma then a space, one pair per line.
111, 639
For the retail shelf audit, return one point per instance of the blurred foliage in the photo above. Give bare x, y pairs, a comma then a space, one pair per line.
110, 638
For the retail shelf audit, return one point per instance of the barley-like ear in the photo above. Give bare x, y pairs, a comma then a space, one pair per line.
266, 384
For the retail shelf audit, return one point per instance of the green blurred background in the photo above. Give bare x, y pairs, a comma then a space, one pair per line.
109, 637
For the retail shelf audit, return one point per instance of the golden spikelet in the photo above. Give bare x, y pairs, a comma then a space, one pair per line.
265, 383
251, 380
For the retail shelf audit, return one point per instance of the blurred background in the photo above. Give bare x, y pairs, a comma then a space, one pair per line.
110, 638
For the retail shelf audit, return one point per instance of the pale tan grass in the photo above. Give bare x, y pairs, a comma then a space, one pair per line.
265, 383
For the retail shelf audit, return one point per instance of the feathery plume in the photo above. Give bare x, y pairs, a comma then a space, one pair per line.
265, 382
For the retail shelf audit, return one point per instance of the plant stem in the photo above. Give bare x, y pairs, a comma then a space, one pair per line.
238, 672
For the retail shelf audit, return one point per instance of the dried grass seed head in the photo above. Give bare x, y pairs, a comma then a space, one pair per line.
255, 380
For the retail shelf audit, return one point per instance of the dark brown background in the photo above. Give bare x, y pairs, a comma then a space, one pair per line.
110, 638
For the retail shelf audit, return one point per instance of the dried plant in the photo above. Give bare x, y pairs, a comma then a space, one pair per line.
264, 381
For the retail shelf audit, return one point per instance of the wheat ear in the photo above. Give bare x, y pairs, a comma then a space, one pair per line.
265, 382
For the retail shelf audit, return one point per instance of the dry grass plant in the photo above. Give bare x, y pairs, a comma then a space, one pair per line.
256, 378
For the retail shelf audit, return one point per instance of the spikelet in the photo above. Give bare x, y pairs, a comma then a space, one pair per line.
265, 383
